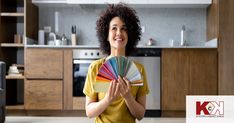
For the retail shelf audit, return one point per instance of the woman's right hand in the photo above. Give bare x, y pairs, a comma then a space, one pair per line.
112, 92
95, 107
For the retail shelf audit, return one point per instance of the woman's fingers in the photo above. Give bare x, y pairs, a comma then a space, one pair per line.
117, 89
127, 82
113, 88
125, 87
110, 88
122, 83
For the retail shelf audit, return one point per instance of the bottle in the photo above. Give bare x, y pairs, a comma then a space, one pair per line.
182, 36
73, 36
41, 37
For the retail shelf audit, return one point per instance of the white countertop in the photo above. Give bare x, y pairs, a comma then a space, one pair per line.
209, 44
95, 47
62, 46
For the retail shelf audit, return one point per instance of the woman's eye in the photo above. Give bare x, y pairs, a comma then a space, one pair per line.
114, 28
124, 28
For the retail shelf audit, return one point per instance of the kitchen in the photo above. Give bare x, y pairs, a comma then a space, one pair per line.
160, 22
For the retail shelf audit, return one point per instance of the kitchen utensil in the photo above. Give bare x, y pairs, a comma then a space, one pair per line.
64, 40
150, 42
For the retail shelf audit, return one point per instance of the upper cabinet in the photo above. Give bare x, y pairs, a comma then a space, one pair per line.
138, 3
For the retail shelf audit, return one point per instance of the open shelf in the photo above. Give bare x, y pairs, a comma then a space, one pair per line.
12, 14
13, 107
14, 77
11, 45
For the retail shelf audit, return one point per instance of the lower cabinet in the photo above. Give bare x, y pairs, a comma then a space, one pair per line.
187, 72
48, 82
43, 94
44, 78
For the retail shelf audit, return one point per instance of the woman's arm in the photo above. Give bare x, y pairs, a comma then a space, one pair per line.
94, 108
135, 106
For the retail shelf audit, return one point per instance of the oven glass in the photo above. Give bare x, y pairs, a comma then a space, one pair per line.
79, 75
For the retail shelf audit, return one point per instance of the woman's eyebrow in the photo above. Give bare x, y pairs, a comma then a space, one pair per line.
117, 25
114, 25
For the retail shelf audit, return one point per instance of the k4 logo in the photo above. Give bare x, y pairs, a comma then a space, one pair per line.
210, 108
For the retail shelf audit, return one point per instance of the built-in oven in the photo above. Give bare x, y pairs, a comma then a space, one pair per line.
82, 58
151, 59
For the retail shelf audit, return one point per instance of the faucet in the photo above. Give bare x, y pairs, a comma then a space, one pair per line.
182, 34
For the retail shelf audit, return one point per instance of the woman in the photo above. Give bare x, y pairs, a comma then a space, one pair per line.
118, 31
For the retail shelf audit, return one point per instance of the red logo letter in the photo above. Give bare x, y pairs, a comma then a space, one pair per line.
202, 108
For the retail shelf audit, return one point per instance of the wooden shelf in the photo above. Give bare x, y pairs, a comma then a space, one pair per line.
14, 77
11, 45
12, 14
15, 107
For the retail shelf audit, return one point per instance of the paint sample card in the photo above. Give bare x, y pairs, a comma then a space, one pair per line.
114, 67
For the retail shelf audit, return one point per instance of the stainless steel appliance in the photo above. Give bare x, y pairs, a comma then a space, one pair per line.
82, 58
150, 58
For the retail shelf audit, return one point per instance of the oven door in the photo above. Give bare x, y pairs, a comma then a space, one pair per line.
80, 70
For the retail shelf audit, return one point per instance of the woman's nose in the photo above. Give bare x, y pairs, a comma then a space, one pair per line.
118, 32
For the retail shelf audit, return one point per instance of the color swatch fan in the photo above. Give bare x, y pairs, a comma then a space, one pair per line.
113, 67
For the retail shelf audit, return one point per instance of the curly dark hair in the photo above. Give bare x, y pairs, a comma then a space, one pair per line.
131, 20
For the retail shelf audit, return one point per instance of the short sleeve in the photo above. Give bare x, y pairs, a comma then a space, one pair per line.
143, 90
90, 78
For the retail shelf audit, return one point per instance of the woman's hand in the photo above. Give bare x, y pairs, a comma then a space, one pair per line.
135, 105
125, 87
113, 91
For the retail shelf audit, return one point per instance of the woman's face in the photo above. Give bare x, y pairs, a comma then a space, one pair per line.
117, 36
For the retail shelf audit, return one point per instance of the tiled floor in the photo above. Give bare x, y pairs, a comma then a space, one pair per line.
14, 119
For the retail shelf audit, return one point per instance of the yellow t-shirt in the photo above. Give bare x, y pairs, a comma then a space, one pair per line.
117, 111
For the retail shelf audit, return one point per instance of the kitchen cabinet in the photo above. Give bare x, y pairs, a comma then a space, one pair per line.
44, 94
14, 16
44, 79
136, 3
44, 63
220, 24
70, 102
187, 72
48, 80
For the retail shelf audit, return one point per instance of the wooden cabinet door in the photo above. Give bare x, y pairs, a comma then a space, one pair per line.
187, 72
43, 94
203, 72
175, 79
43, 63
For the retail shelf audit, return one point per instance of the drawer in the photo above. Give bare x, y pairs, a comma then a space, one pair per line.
43, 94
44, 64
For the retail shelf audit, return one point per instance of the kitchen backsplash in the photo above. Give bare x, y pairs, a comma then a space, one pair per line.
161, 24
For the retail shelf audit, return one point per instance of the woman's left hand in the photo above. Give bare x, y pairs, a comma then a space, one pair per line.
125, 87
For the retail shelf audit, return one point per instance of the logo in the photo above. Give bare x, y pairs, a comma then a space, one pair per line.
210, 108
